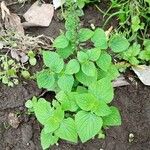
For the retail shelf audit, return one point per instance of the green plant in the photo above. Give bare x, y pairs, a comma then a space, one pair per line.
32, 59
8, 71
133, 17
145, 53
81, 79
135, 55
11, 70
15, 62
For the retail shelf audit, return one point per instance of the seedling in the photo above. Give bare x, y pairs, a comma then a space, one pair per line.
11, 70
135, 54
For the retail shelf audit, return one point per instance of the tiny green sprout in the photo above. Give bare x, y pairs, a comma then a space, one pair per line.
101, 135
29, 104
25, 74
10, 70
32, 59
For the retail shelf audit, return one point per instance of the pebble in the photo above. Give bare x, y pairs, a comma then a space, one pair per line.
13, 120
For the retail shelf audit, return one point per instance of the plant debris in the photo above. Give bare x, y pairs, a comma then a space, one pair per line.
120, 81
19, 45
143, 72
11, 20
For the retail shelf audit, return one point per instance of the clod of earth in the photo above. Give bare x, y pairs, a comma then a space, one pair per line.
13, 120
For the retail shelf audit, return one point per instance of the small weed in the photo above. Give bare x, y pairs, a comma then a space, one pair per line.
133, 17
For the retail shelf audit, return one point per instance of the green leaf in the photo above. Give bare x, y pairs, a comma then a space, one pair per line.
81, 89
67, 130
64, 100
51, 125
85, 34
144, 55
131, 53
89, 68
113, 72
99, 39
103, 90
88, 125
31, 54
86, 101
148, 1
54, 120
133, 50
114, 119
84, 79
74, 106
101, 109
104, 61
118, 43
25, 74
61, 42
146, 44
134, 61
47, 139
45, 79
5, 80
94, 54
101, 74
29, 104
81, 3
101, 135
32, 61
135, 23
53, 61
72, 67
67, 101
42, 110
82, 57
65, 52
65, 82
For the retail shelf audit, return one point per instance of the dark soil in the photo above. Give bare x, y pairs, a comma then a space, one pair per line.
133, 102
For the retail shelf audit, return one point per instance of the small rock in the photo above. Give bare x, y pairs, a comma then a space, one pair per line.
39, 15
31, 145
13, 120
131, 137
58, 3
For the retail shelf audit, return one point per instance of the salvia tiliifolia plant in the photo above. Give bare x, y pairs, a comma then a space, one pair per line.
80, 72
